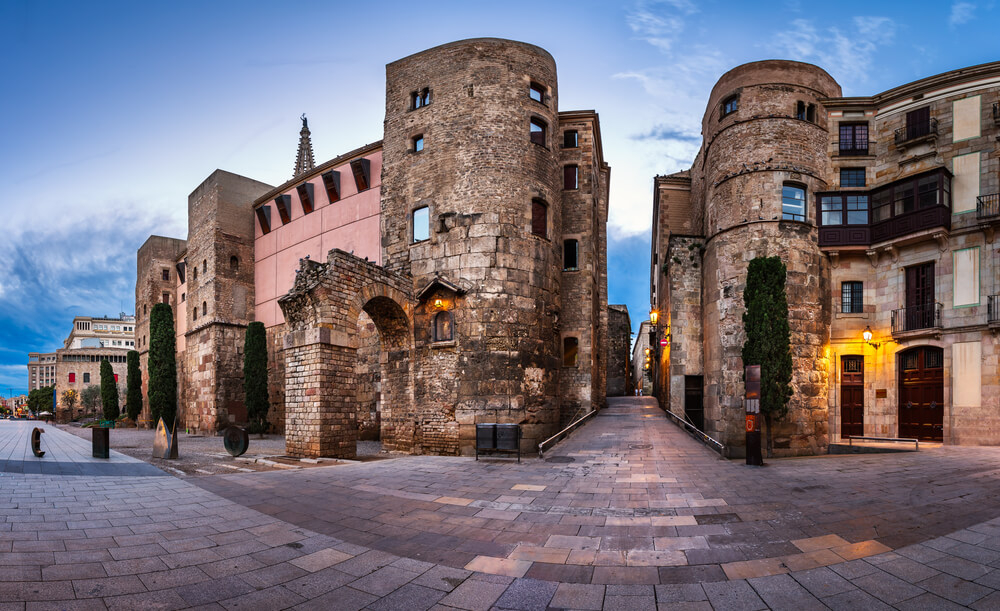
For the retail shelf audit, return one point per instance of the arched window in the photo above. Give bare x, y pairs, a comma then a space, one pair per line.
194, 273
536, 92
204, 308
539, 218
443, 327
421, 224
571, 347
234, 263
538, 129
204, 266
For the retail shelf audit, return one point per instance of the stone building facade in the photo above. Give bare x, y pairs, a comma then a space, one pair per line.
883, 209
453, 273
619, 351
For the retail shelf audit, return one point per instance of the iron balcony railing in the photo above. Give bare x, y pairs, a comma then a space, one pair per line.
853, 148
914, 318
988, 206
919, 129
993, 309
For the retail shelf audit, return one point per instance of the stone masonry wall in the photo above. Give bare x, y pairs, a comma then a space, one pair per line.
619, 345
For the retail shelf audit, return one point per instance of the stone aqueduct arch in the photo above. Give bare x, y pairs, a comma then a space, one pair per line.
320, 352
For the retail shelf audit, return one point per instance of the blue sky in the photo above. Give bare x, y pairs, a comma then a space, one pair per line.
112, 112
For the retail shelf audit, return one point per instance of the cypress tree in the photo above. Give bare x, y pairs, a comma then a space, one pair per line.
162, 365
255, 377
768, 339
133, 381
109, 391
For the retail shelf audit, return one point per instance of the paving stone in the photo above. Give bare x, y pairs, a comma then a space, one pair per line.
886, 587
527, 594
341, 599
733, 595
311, 585
474, 595
442, 578
991, 602
678, 593
954, 589
585, 597
410, 597
928, 602
960, 567
629, 603
854, 600
783, 592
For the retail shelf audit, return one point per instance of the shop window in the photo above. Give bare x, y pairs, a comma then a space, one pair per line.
539, 218
571, 177
570, 255
571, 349
443, 327
538, 128
571, 139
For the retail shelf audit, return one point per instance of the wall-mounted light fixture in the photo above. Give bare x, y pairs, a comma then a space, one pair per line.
654, 317
439, 303
867, 334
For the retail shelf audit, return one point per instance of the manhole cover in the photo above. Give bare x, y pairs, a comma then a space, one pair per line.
640, 446
561, 459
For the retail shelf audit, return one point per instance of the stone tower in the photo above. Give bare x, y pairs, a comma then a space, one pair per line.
765, 145
472, 208
219, 299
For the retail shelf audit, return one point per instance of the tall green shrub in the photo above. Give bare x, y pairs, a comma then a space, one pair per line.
133, 381
162, 365
765, 322
255, 377
109, 391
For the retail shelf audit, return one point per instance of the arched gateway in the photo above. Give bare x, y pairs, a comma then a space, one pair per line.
320, 352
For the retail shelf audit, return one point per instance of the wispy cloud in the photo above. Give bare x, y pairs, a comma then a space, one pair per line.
848, 55
961, 12
659, 22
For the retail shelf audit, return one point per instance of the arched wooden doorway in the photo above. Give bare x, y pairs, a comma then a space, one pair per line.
921, 393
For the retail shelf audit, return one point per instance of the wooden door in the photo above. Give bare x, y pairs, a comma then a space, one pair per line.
852, 396
920, 296
921, 393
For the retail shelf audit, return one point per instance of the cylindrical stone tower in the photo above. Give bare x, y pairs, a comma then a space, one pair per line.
764, 158
471, 196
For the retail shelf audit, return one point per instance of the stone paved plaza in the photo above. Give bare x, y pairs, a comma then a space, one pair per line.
628, 513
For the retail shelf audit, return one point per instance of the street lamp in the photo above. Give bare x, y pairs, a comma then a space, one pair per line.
654, 317
867, 334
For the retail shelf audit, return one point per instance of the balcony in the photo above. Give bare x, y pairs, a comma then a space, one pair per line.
916, 132
988, 207
993, 311
916, 321
853, 148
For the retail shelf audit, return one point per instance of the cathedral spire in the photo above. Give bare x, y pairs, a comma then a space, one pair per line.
304, 158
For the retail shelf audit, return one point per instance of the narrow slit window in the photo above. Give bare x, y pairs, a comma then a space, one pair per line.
800, 110
571, 255
538, 128
166, 274
421, 224
204, 308
539, 218
571, 177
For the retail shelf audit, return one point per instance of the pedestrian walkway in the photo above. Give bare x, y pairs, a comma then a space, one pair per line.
629, 514
65, 454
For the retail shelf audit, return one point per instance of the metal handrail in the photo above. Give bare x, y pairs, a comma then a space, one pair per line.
563, 433
916, 442
697, 434
993, 309
988, 206
916, 130
915, 318
853, 148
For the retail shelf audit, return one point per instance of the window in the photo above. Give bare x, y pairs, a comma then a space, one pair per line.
419, 99
539, 218
538, 128
331, 181
116, 378
570, 255
571, 348
194, 270
361, 168
793, 203
204, 266
852, 177
72, 378
571, 139
443, 328
570, 177
166, 274
536, 92
421, 224
857, 209
284, 205
853, 139
418, 143
831, 209
306, 192
881, 210
730, 105
86, 378
234, 263
918, 122
263, 219
800, 110
811, 113
204, 308
852, 297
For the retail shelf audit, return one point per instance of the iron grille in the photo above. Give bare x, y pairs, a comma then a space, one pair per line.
913, 318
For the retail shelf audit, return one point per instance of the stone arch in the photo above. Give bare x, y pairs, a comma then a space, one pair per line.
322, 311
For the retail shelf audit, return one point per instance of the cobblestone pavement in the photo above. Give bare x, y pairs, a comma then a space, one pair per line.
641, 517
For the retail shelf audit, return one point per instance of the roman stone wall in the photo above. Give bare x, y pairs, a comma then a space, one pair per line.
276, 377
619, 344
683, 315
478, 173
368, 370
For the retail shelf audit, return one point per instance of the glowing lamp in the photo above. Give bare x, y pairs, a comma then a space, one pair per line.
654, 317
439, 303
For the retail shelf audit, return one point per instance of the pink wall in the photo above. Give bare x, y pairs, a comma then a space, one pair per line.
350, 224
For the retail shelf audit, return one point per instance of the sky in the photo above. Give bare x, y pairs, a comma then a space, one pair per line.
111, 113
